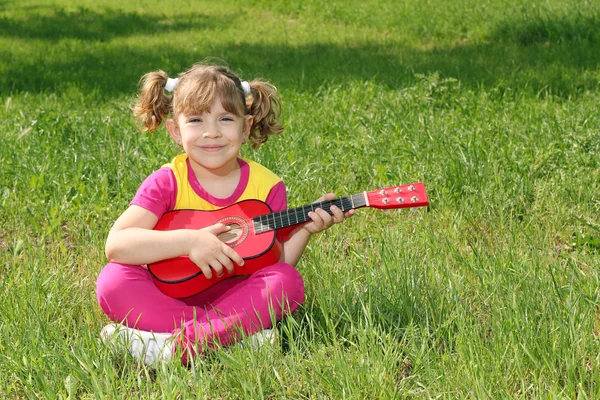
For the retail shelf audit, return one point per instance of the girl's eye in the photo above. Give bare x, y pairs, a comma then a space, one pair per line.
227, 119
193, 120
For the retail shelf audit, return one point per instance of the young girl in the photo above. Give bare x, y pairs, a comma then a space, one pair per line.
212, 114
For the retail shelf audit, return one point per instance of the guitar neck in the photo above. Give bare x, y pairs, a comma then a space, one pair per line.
404, 196
299, 215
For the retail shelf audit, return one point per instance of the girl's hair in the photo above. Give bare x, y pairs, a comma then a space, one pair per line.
196, 91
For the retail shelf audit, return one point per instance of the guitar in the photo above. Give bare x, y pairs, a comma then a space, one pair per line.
253, 227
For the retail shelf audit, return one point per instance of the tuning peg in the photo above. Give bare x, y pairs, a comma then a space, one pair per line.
414, 199
397, 190
400, 199
411, 188
383, 192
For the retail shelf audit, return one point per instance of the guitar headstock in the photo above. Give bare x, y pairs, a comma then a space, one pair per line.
404, 196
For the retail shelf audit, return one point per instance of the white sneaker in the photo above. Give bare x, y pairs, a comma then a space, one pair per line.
266, 336
147, 346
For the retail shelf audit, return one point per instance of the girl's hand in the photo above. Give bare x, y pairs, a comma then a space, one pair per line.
322, 220
207, 250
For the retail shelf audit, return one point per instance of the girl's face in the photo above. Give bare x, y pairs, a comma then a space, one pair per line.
212, 140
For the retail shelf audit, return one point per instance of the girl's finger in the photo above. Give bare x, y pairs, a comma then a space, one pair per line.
325, 217
226, 262
316, 219
338, 215
217, 267
233, 255
205, 268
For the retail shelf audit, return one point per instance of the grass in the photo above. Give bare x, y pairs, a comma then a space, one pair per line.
493, 293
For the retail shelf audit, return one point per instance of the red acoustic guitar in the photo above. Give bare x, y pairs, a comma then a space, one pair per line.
252, 234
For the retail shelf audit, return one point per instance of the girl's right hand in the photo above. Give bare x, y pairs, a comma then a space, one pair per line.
208, 251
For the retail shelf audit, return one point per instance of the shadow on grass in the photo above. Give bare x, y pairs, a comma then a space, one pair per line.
560, 56
88, 25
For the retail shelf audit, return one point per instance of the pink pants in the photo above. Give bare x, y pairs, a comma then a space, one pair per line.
219, 314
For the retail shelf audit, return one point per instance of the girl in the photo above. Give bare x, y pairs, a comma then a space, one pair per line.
212, 113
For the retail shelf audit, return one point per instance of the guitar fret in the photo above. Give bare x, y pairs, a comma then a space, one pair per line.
349, 204
283, 220
258, 225
280, 222
358, 200
328, 207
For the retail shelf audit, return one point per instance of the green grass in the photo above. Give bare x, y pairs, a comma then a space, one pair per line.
493, 293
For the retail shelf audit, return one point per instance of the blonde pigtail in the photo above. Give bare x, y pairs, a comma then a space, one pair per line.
265, 107
152, 105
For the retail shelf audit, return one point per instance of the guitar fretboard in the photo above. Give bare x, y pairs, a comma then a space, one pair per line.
295, 216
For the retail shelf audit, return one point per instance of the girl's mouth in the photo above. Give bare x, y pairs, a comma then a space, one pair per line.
211, 148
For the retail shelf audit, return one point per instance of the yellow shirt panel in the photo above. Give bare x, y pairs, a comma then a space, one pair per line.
260, 181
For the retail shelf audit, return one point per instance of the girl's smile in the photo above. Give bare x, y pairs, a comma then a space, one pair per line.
211, 148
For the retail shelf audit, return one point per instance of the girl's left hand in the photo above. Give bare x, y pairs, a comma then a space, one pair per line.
322, 220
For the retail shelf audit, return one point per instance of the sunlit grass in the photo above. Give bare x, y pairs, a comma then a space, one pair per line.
493, 293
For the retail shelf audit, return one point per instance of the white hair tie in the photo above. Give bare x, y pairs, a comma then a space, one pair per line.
246, 87
171, 83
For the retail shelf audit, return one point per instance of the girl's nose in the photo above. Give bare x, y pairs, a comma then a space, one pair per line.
211, 132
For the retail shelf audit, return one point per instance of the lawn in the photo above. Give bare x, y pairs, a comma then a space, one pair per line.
492, 292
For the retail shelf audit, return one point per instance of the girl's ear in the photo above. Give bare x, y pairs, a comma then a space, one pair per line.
248, 119
173, 130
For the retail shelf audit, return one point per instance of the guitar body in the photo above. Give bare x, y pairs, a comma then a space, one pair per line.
179, 277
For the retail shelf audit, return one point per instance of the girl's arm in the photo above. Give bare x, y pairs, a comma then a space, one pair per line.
321, 220
132, 240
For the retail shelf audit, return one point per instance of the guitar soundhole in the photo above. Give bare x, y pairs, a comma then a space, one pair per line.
236, 234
